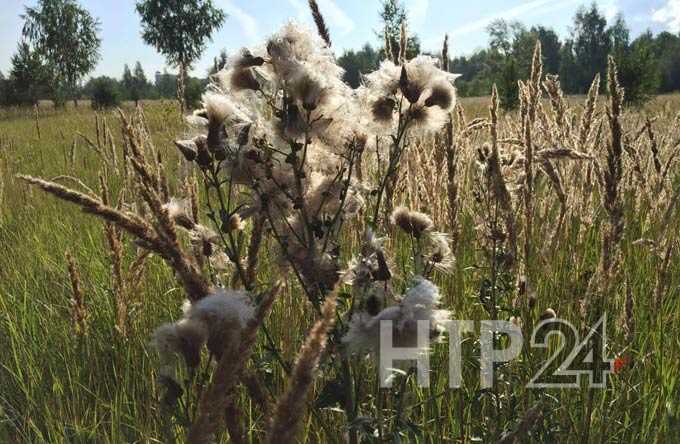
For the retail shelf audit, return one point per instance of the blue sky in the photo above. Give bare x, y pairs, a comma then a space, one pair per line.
352, 23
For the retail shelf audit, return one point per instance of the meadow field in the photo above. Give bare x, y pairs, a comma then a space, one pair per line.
76, 360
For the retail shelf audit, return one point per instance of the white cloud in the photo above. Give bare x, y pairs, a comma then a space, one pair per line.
669, 15
302, 13
417, 13
610, 8
527, 9
246, 21
336, 19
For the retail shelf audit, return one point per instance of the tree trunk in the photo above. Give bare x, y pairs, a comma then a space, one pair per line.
74, 94
181, 79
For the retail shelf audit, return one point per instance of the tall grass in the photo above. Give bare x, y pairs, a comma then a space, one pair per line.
58, 385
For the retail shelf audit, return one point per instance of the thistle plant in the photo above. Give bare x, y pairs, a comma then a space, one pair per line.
247, 266
277, 148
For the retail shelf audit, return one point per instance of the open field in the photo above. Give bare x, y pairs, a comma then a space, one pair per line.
60, 386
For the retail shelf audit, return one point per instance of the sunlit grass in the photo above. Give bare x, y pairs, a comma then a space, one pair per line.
58, 387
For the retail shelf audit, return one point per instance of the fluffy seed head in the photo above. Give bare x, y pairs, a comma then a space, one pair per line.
308, 90
220, 107
192, 335
179, 211
383, 109
418, 304
243, 79
411, 222
548, 314
442, 94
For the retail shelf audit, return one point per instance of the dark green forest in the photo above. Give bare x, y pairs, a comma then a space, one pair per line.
648, 64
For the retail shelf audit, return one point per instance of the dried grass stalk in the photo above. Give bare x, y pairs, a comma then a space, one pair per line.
445, 53
114, 239
156, 238
500, 188
216, 396
588, 112
532, 95
290, 409
389, 51
403, 42
613, 172
256, 237
78, 308
320, 23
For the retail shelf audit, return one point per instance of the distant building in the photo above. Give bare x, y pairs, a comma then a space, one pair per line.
166, 84
165, 77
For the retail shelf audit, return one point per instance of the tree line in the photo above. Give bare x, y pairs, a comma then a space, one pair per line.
648, 64
60, 45
28, 83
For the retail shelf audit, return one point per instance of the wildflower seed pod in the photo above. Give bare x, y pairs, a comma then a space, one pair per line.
294, 124
216, 140
411, 222
221, 155
308, 91
517, 321
192, 335
548, 314
187, 148
203, 157
202, 113
409, 89
243, 134
383, 109
207, 248
235, 222
441, 95
243, 79
247, 60
383, 272
253, 155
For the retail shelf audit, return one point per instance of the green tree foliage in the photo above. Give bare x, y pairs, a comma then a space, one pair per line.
218, 63
524, 42
179, 30
591, 45
646, 66
667, 51
569, 67
166, 85
67, 37
134, 85
509, 42
105, 92
356, 63
4, 90
392, 15
508, 85
194, 90
140, 85
29, 77
502, 34
638, 72
477, 73
128, 83
551, 48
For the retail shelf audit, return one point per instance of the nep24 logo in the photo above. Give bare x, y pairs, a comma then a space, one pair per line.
567, 360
